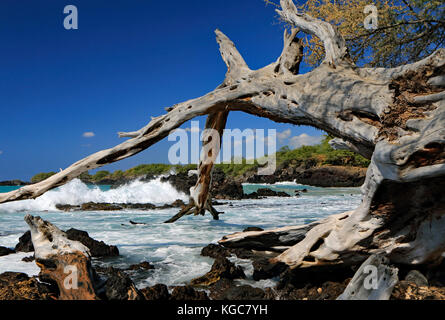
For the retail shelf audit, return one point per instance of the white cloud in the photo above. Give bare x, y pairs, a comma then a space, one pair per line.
304, 140
1, 152
88, 134
284, 135
247, 139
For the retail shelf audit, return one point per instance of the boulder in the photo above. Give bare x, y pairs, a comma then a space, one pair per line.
229, 191
226, 289
97, 248
187, 293
264, 192
181, 182
142, 266
25, 243
119, 286
215, 250
5, 251
28, 259
264, 269
222, 268
157, 292
18, 286
418, 278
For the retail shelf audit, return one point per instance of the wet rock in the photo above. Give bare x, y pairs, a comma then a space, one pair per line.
226, 289
222, 269
97, 248
252, 229
214, 251
157, 292
142, 266
418, 278
67, 207
137, 206
329, 290
25, 243
261, 179
229, 191
119, 286
264, 269
405, 290
181, 182
176, 204
18, 286
262, 193
5, 251
28, 259
187, 293
332, 176
316, 276
91, 206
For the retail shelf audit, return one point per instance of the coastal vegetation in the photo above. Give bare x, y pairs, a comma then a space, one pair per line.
308, 156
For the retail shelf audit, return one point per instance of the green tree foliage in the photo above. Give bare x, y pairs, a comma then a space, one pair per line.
306, 156
42, 176
322, 154
407, 31
85, 176
100, 175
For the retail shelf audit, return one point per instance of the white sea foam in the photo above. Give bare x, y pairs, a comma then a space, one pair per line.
14, 263
76, 193
174, 249
280, 183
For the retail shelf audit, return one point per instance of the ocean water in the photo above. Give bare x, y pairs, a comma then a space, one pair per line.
174, 249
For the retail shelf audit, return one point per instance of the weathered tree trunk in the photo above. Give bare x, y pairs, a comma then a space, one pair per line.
394, 116
65, 262
374, 280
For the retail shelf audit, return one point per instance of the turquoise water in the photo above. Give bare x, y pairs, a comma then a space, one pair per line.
174, 249
4, 189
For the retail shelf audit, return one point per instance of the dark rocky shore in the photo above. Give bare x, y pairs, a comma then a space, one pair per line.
306, 173
220, 283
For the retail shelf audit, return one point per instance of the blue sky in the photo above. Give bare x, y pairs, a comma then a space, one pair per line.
127, 61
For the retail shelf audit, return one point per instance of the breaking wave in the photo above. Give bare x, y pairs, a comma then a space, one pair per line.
76, 193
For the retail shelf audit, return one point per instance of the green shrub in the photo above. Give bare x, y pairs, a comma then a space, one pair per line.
85, 176
42, 176
100, 175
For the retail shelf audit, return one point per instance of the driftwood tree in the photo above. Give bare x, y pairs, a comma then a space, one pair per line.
393, 116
